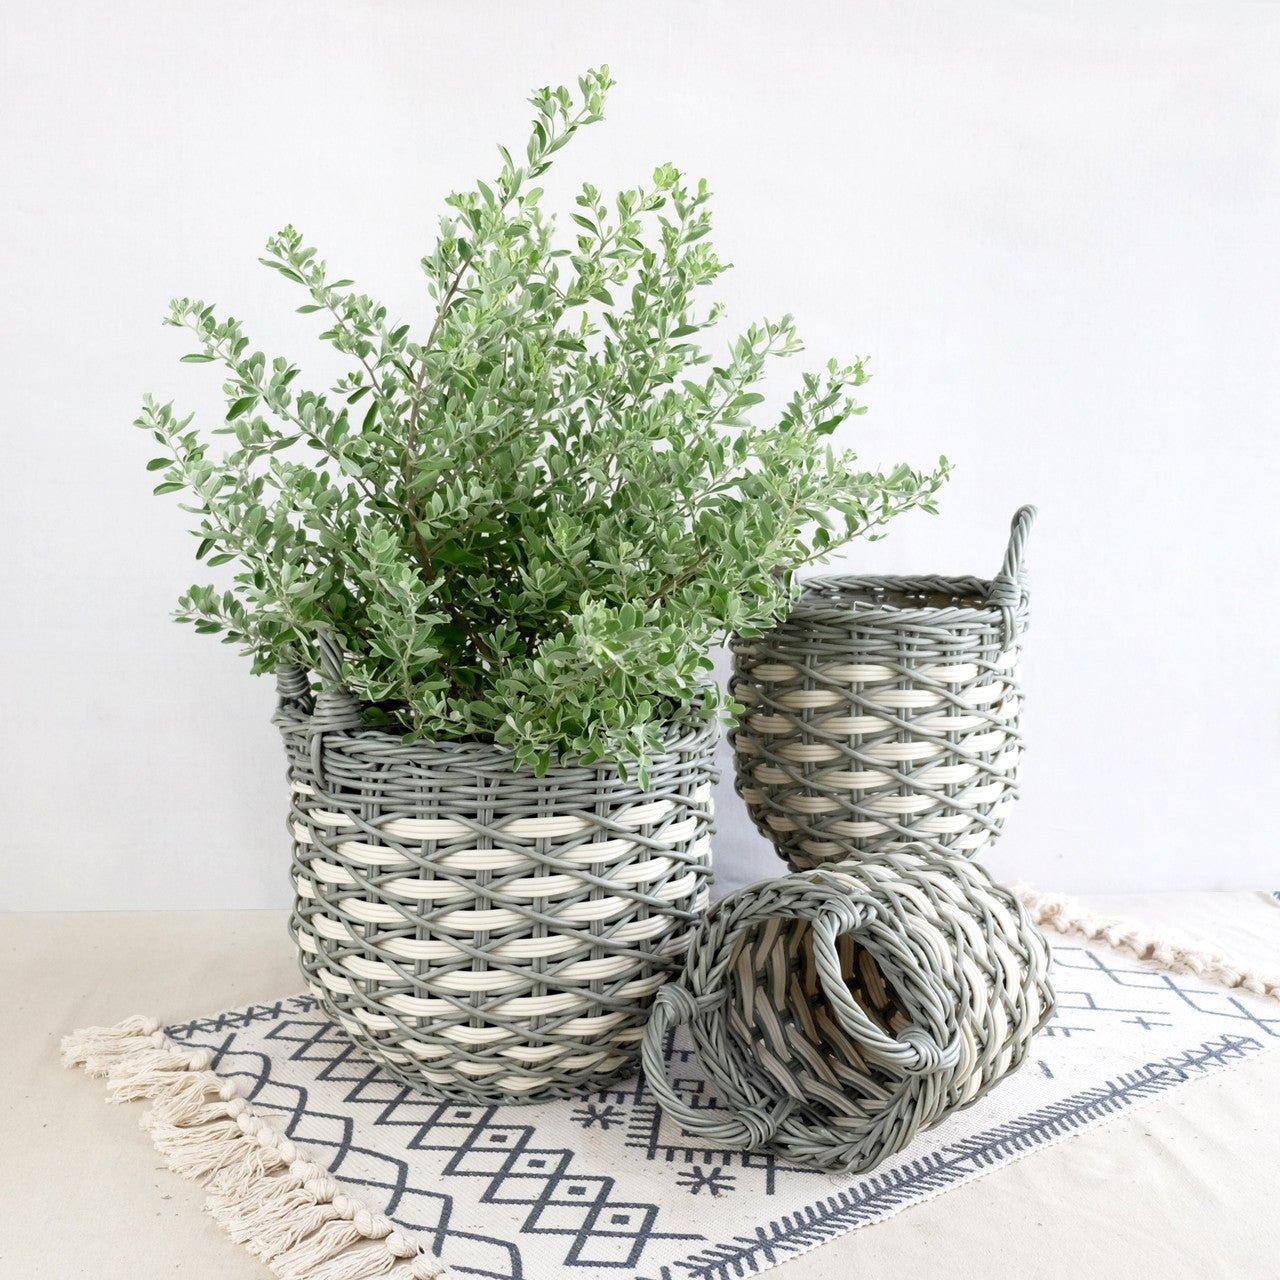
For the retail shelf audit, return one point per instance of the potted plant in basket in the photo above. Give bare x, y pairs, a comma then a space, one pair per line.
487, 568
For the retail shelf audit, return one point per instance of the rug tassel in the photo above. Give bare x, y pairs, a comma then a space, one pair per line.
273, 1212
303, 1261
361, 1263
96, 1048
270, 1219
281, 1207
191, 1100
198, 1152
157, 1078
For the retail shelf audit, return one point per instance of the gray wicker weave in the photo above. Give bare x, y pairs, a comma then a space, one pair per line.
839, 1012
885, 710
483, 933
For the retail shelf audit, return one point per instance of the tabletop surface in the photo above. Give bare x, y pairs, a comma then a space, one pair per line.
1185, 1187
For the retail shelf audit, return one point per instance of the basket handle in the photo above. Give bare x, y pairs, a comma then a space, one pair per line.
335, 708
748, 1128
915, 1052
293, 690
1008, 591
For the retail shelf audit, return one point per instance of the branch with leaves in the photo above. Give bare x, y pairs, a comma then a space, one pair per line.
531, 525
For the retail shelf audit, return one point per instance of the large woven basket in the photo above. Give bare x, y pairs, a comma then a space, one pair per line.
481, 932
885, 710
839, 1012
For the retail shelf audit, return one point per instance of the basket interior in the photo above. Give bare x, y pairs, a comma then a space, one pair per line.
782, 1025
962, 594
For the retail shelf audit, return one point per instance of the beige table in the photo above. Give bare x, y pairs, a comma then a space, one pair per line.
1184, 1188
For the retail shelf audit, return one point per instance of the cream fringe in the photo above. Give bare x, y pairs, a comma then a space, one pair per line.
287, 1211
1068, 916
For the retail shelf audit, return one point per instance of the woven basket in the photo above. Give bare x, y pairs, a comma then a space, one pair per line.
839, 1012
483, 933
883, 711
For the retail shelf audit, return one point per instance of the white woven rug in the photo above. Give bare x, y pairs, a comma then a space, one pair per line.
605, 1185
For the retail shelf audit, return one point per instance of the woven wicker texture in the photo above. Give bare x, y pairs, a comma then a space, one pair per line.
883, 711
483, 933
841, 1011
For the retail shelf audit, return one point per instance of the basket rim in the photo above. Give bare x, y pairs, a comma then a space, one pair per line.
680, 734
835, 597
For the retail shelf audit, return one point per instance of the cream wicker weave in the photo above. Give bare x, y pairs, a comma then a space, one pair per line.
483, 933
841, 1011
885, 710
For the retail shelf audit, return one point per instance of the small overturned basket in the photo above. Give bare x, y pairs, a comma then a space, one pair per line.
885, 710
839, 1012
482, 933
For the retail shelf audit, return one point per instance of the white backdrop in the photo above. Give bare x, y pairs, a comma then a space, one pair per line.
1053, 228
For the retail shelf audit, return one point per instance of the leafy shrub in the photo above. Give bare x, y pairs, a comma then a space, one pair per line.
531, 524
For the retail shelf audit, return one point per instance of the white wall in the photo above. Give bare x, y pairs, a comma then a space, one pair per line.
1053, 227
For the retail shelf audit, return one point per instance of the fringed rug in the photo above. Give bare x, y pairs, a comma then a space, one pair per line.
326, 1169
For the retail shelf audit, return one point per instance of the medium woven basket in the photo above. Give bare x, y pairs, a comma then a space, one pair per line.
839, 1012
885, 710
483, 933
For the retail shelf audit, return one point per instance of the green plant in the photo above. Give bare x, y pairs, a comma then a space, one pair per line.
531, 524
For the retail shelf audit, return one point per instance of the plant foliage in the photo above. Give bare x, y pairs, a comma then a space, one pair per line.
531, 523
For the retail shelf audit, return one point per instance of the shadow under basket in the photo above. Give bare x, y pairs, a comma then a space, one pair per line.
839, 1012
885, 710
482, 933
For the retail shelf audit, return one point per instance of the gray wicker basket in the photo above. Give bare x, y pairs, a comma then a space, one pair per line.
839, 1012
483, 933
885, 710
